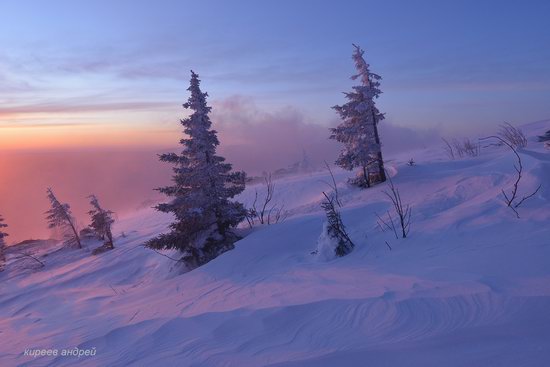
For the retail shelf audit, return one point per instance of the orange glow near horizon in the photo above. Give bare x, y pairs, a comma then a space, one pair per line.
82, 136
115, 125
68, 130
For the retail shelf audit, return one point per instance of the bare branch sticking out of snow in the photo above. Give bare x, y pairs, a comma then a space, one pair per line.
511, 199
403, 213
30, 256
266, 212
460, 148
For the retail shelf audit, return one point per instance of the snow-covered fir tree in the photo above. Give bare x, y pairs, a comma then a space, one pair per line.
60, 217
2, 242
203, 186
359, 128
2, 233
334, 240
102, 221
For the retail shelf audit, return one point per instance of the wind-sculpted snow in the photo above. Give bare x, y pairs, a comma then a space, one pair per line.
469, 287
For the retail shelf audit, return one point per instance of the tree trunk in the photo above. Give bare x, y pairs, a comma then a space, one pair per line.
69, 220
76, 234
381, 171
366, 176
110, 238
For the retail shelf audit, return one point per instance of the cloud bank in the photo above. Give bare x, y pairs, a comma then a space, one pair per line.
256, 140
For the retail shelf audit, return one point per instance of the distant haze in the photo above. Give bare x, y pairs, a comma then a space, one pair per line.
251, 139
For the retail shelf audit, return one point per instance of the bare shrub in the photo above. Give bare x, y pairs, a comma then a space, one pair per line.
460, 148
264, 211
448, 149
469, 148
512, 201
512, 135
402, 224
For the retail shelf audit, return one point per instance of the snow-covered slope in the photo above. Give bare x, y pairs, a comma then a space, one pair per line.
469, 287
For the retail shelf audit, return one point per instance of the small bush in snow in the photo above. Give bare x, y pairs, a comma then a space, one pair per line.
460, 148
264, 212
402, 214
512, 135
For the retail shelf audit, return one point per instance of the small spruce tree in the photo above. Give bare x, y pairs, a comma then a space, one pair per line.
59, 216
102, 221
2, 242
334, 229
203, 185
359, 129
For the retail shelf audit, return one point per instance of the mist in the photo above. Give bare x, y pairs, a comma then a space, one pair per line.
252, 139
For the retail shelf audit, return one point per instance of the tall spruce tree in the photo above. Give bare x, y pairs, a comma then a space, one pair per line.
203, 185
359, 129
2, 242
59, 216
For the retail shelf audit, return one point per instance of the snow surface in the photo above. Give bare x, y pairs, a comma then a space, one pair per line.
470, 287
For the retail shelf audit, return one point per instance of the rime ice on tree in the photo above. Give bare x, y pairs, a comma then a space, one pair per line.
102, 221
203, 185
359, 129
59, 216
2, 233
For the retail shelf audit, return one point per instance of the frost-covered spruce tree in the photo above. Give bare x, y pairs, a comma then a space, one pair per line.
334, 240
59, 216
2, 242
102, 221
203, 185
359, 129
